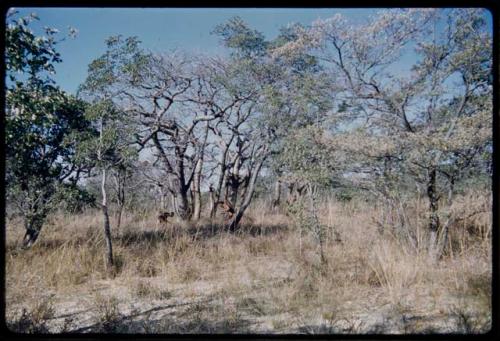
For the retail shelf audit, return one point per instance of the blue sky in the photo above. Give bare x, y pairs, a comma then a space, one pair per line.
160, 29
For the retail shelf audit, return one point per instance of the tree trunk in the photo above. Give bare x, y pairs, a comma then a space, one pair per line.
121, 205
121, 201
443, 236
244, 185
197, 190
183, 204
174, 204
233, 224
163, 191
294, 192
433, 215
234, 180
213, 204
221, 190
197, 178
234, 186
289, 196
225, 187
277, 194
34, 210
191, 200
181, 187
107, 228
33, 225
178, 185
318, 229
222, 179
181, 196
217, 191
119, 216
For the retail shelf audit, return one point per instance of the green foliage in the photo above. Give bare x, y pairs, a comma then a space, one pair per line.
42, 123
27, 53
476, 181
299, 63
74, 198
306, 157
304, 212
123, 59
246, 42
344, 195
113, 146
41, 132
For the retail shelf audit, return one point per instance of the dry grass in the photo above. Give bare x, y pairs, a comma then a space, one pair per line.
34, 319
266, 277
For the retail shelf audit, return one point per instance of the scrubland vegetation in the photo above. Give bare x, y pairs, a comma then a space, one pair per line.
263, 278
333, 179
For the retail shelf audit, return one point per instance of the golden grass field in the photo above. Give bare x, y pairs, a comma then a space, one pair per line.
264, 278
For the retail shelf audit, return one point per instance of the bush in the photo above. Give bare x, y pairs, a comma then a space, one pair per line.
108, 315
344, 195
75, 199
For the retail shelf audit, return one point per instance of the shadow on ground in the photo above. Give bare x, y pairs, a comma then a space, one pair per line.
154, 236
192, 322
198, 232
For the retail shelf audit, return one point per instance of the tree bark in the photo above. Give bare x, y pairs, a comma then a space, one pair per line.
35, 209
234, 180
183, 205
119, 216
277, 194
181, 187
221, 190
197, 178
163, 192
244, 185
197, 190
213, 201
233, 224
234, 186
294, 192
107, 228
120, 185
181, 201
221, 183
218, 190
33, 225
433, 214
178, 185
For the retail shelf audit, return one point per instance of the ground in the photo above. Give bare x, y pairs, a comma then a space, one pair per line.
266, 277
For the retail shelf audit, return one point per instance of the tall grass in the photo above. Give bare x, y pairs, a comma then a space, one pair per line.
267, 270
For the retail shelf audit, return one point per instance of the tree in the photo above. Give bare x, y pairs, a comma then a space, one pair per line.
232, 133
245, 42
121, 176
164, 95
112, 148
281, 94
434, 117
247, 145
307, 160
42, 125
